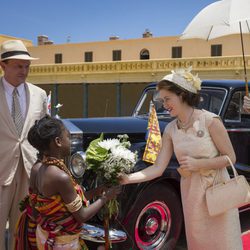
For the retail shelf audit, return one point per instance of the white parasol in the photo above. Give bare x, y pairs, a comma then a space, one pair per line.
221, 18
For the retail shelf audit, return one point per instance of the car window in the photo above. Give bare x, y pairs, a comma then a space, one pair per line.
212, 99
142, 107
144, 103
233, 112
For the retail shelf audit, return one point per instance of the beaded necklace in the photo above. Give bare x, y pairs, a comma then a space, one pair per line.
58, 163
185, 125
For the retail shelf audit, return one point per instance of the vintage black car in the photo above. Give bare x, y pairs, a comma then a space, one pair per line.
151, 212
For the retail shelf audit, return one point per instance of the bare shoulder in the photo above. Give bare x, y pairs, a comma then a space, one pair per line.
35, 168
57, 175
34, 173
56, 181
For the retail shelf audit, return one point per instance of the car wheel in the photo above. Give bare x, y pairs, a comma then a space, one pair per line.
156, 220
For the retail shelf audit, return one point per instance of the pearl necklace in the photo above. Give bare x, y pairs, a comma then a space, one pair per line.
185, 125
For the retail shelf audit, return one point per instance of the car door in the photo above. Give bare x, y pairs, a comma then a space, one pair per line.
237, 123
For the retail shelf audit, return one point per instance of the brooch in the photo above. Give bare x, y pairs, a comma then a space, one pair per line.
200, 133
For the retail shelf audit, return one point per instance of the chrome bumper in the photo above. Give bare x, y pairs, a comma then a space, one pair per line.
96, 234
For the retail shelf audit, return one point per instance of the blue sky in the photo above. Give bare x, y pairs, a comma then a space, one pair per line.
96, 20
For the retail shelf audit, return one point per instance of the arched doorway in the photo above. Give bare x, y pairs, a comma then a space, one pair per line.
144, 54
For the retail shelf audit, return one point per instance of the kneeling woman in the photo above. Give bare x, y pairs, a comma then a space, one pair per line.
58, 205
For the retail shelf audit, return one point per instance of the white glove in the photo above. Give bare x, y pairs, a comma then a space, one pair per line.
246, 104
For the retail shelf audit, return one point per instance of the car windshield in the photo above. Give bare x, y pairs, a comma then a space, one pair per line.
211, 99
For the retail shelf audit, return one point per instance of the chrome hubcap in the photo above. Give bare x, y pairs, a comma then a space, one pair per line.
153, 226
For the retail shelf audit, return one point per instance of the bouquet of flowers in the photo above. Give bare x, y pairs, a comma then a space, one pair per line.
108, 159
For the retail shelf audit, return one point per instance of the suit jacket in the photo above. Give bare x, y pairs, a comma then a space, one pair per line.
12, 148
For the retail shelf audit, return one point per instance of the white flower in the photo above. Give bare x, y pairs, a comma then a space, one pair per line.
117, 158
109, 143
123, 153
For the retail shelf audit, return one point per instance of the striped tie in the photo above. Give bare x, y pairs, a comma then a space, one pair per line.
16, 112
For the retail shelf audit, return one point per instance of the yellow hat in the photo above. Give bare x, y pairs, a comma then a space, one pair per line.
184, 79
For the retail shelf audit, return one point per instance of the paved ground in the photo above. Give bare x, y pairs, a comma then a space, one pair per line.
245, 225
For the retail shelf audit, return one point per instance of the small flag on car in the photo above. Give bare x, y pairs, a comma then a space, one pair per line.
153, 137
49, 103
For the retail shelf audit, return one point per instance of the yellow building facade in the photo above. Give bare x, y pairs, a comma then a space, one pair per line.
105, 78
3, 38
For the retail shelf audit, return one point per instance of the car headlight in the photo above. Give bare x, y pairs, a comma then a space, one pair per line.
78, 164
76, 140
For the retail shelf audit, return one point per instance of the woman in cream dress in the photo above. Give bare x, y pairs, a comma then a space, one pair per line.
200, 142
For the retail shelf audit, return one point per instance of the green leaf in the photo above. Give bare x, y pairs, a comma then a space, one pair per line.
95, 154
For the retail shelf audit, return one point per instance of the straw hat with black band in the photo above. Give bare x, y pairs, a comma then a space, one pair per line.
14, 49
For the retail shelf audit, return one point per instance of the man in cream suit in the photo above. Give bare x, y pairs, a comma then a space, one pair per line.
21, 104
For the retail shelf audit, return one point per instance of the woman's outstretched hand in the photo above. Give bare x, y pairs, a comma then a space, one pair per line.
123, 179
111, 193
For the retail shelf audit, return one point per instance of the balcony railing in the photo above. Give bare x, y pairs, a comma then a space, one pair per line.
136, 70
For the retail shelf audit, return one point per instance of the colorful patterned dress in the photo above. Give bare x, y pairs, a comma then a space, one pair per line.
46, 223
26, 226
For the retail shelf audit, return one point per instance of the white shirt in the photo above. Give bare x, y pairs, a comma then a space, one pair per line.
8, 89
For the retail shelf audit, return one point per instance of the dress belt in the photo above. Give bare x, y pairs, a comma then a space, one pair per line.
203, 172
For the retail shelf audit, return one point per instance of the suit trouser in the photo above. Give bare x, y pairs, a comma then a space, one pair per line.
10, 196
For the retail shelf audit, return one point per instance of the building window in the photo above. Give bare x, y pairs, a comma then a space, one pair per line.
88, 56
176, 52
216, 50
58, 58
144, 55
117, 55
